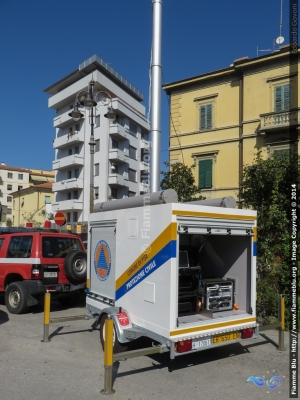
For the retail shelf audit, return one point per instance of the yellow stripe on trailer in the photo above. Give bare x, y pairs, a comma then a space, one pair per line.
213, 215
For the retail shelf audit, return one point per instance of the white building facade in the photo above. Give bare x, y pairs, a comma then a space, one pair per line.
121, 159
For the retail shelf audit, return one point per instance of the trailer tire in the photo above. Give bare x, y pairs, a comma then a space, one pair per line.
16, 298
118, 347
75, 266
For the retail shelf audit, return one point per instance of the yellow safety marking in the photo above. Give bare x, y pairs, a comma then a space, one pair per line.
47, 309
170, 233
212, 326
108, 342
212, 215
88, 283
255, 233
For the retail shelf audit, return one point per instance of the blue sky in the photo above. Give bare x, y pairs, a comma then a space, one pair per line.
42, 41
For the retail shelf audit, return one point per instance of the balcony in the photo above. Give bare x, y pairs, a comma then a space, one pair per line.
67, 205
118, 132
145, 167
72, 138
74, 183
63, 120
144, 188
145, 145
117, 179
117, 155
278, 120
67, 162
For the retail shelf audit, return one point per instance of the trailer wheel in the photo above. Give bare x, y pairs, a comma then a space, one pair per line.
16, 298
118, 347
75, 266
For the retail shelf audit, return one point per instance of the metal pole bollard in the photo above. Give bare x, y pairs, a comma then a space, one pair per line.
281, 329
108, 356
46, 317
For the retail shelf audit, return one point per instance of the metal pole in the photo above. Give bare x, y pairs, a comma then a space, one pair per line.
92, 151
108, 356
156, 97
282, 327
46, 317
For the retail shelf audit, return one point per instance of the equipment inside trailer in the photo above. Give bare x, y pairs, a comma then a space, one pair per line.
213, 276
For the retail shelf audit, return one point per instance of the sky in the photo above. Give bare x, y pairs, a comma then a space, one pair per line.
42, 41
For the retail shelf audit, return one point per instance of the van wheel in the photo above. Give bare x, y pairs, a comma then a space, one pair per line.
118, 347
16, 298
75, 266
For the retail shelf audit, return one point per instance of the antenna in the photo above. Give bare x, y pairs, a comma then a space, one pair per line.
280, 38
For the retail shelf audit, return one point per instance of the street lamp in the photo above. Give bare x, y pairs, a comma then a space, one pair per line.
86, 99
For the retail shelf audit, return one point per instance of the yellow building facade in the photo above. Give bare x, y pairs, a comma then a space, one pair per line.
30, 204
219, 120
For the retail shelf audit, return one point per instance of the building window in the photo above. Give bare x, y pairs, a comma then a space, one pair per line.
9, 211
47, 200
20, 176
9, 175
68, 217
114, 144
70, 152
114, 193
9, 187
9, 199
132, 129
75, 216
20, 187
282, 96
96, 172
132, 152
132, 175
205, 174
69, 196
96, 192
97, 121
77, 127
69, 174
97, 145
75, 194
76, 173
206, 120
76, 150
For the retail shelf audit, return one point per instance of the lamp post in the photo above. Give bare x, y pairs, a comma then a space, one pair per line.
86, 99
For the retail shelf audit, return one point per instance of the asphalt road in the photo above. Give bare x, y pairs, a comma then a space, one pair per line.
70, 366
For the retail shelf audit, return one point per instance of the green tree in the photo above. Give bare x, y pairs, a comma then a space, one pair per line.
9, 222
181, 178
30, 217
266, 187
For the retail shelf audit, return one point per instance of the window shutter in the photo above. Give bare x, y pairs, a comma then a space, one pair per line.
286, 97
209, 116
202, 118
277, 98
205, 174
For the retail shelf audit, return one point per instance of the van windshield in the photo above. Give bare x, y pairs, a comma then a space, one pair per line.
59, 247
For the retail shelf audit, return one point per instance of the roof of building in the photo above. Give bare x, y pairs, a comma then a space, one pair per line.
91, 64
237, 64
41, 187
17, 169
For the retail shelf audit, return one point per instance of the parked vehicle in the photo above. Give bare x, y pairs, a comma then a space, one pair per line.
183, 274
35, 261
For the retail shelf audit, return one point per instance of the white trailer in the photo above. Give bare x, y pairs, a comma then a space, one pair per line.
182, 274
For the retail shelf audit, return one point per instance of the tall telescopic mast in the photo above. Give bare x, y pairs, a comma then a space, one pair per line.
155, 119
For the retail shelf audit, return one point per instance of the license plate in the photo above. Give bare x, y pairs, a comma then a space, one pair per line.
50, 274
201, 343
227, 337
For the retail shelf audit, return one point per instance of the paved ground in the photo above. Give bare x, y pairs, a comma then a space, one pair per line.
70, 366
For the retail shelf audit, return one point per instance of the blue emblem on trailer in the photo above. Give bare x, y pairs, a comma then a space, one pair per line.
102, 260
